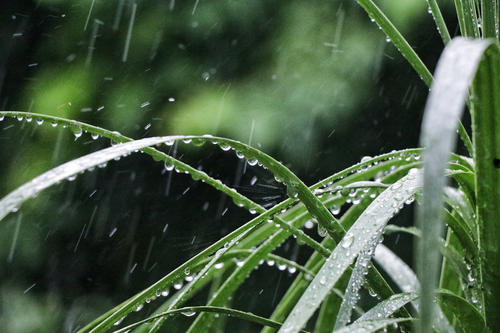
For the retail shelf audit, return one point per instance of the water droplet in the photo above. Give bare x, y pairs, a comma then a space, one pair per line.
322, 232
188, 313
365, 159
169, 164
219, 265
139, 307
205, 76
165, 293
387, 40
94, 136
291, 191
177, 285
281, 267
77, 132
322, 280
252, 162
39, 121
347, 241
119, 321
224, 147
171, 99
187, 271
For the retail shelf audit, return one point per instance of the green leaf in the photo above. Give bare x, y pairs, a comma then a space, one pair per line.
444, 107
157, 155
486, 125
387, 307
397, 39
370, 326
192, 310
368, 225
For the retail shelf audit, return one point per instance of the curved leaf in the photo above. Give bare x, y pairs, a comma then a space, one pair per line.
387, 307
444, 107
370, 326
192, 310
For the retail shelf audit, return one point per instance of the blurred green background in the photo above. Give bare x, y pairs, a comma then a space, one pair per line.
315, 84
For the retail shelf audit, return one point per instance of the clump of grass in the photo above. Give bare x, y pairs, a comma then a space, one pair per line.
458, 267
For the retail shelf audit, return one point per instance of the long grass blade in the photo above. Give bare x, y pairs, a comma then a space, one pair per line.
454, 74
397, 39
485, 121
351, 296
370, 326
192, 310
387, 307
407, 51
95, 132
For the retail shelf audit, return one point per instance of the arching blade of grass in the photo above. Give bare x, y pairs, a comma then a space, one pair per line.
95, 131
192, 310
370, 222
13, 200
295, 187
387, 307
407, 51
397, 269
397, 39
486, 125
370, 326
454, 74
